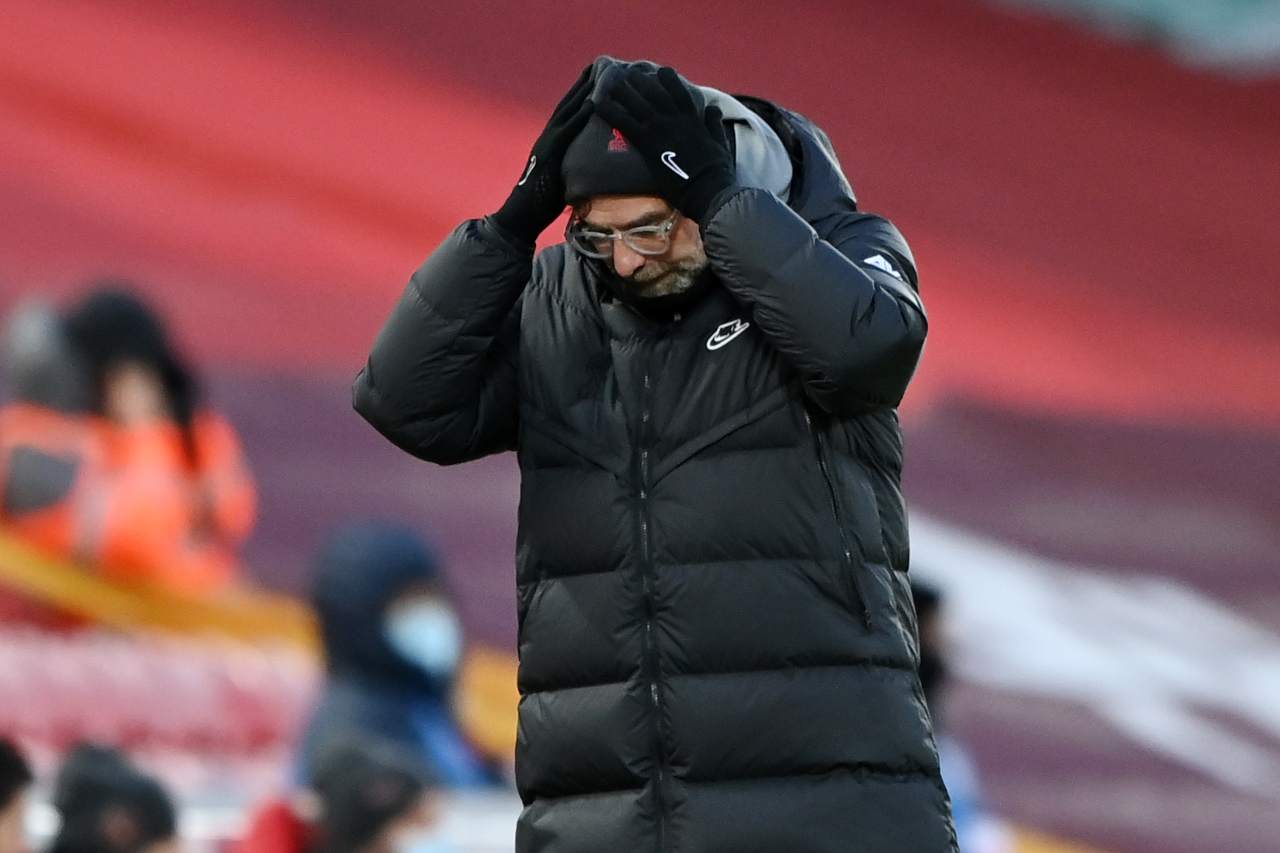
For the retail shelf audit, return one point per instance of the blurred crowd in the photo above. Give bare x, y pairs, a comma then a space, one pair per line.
365, 799
112, 459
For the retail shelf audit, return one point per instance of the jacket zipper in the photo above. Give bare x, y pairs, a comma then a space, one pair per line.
851, 569
650, 645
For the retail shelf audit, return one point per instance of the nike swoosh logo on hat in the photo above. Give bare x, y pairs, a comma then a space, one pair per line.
669, 160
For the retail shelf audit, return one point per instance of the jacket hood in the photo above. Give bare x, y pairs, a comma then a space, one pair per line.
359, 572
818, 185
760, 158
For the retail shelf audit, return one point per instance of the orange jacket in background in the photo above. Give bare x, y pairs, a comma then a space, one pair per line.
129, 500
48, 463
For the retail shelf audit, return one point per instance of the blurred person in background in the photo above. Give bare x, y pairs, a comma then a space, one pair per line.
181, 499
392, 648
15, 783
106, 805
364, 798
108, 455
716, 636
976, 829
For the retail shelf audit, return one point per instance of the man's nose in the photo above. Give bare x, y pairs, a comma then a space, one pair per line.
625, 259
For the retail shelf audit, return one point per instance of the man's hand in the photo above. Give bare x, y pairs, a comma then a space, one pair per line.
687, 150
538, 197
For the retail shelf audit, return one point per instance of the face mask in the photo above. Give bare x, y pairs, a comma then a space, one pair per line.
426, 632
427, 843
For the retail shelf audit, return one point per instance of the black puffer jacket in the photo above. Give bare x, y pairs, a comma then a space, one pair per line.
717, 644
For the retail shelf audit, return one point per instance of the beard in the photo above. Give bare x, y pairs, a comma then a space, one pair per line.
667, 278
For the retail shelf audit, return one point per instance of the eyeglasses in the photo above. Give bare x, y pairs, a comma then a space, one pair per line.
646, 240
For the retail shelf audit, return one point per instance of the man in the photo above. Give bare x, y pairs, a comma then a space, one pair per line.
15, 783
717, 643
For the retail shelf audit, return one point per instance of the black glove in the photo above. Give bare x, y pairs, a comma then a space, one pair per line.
538, 198
687, 151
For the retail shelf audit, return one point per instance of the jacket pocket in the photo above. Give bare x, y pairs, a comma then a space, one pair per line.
852, 569
870, 526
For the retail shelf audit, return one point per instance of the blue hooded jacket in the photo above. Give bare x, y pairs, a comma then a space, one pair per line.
371, 689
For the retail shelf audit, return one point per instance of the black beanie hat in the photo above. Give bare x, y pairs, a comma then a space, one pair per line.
600, 160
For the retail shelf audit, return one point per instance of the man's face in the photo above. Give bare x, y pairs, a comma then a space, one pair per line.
674, 271
13, 830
